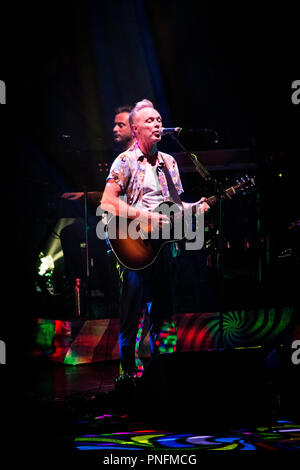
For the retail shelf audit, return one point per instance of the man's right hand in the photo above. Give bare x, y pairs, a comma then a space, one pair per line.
151, 221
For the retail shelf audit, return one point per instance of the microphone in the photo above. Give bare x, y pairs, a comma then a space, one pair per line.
170, 130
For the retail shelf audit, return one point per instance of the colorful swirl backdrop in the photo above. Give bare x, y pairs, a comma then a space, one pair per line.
254, 327
83, 341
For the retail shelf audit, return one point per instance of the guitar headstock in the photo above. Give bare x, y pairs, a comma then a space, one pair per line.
244, 184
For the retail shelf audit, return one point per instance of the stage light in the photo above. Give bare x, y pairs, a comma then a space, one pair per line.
49, 258
46, 264
45, 270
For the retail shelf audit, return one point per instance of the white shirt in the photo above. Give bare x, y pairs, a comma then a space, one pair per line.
152, 192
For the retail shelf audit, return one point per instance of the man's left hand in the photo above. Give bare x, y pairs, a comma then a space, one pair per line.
202, 206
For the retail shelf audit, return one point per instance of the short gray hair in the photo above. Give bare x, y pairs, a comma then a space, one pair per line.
138, 106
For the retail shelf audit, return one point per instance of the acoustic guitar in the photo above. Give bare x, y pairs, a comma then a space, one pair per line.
137, 245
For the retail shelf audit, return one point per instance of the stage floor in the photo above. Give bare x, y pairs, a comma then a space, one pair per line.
52, 407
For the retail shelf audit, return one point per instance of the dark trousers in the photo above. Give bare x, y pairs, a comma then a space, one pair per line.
150, 290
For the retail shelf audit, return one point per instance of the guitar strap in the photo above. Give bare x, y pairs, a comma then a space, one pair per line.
171, 186
175, 247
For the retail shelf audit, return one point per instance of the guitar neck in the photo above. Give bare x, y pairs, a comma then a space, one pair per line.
227, 194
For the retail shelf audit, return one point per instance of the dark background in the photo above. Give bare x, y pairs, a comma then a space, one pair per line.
68, 65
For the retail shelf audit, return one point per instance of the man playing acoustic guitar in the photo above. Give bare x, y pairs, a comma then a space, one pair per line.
140, 179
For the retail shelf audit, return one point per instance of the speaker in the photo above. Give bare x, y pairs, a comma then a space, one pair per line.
284, 365
216, 389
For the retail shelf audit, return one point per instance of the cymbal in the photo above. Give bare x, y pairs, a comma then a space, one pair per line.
92, 196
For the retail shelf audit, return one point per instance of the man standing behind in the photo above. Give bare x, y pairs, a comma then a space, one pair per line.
123, 136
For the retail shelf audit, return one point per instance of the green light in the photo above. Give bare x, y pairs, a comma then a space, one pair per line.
45, 333
144, 440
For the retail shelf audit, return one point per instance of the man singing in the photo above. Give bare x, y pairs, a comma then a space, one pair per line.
140, 175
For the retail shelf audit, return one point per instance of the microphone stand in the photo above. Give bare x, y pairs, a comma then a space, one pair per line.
84, 286
87, 260
218, 191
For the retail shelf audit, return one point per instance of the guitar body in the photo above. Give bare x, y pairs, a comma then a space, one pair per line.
137, 246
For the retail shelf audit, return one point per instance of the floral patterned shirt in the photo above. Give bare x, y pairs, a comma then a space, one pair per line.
128, 170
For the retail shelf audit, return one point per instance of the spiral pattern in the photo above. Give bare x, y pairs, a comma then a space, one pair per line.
282, 435
240, 328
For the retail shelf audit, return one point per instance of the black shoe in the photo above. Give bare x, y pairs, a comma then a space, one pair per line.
127, 381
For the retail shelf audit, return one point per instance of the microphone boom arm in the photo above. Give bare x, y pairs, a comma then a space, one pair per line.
200, 168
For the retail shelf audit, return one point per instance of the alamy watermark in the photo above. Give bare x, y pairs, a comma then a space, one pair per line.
296, 94
182, 225
296, 354
2, 92
2, 352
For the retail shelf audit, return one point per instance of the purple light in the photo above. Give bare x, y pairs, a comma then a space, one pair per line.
103, 416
